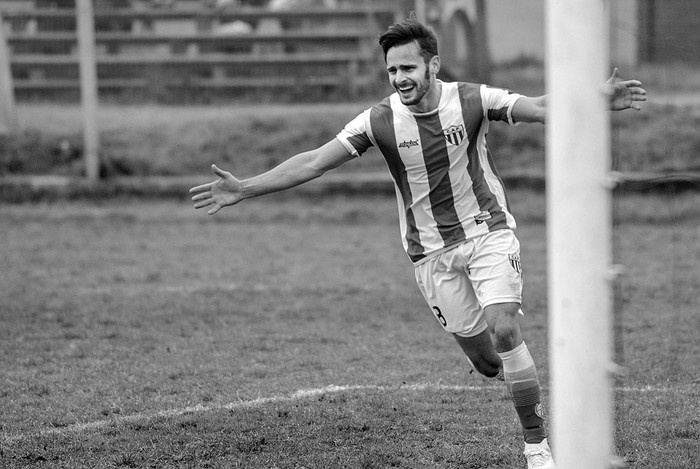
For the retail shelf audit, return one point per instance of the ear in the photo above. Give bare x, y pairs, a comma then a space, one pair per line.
434, 65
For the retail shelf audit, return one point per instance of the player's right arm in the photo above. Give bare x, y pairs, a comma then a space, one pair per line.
300, 168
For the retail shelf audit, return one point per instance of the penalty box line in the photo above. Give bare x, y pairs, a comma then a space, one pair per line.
262, 401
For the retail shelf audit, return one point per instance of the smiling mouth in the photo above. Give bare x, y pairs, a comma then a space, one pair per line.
405, 89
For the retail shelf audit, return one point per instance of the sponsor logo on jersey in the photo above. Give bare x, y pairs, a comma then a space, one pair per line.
482, 217
454, 134
408, 144
514, 259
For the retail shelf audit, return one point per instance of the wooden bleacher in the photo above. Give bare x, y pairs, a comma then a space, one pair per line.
190, 48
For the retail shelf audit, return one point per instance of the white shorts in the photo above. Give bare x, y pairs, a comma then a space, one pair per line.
459, 282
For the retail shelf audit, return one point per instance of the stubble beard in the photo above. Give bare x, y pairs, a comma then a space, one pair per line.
420, 91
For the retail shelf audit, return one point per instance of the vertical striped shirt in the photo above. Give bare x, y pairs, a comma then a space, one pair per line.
446, 184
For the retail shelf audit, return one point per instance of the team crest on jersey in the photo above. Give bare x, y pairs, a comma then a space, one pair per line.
514, 259
454, 134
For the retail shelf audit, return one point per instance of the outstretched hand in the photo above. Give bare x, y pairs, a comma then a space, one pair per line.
625, 94
218, 194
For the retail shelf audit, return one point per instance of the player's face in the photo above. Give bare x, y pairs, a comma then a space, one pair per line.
410, 76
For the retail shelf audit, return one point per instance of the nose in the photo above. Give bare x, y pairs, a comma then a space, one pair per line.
400, 76
399, 79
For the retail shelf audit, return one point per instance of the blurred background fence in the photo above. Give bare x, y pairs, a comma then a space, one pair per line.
192, 49
199, 50
252, 52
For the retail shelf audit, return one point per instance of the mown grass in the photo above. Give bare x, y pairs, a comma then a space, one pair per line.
116, 312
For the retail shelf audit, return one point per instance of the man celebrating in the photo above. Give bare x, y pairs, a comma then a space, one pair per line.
456, 226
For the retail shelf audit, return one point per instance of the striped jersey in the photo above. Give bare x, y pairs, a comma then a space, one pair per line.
447, 187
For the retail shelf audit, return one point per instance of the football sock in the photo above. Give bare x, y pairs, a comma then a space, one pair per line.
521, 380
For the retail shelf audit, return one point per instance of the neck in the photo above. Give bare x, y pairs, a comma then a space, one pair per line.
430, 99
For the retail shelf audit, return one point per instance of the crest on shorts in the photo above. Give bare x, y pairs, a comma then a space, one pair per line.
514, 259
454, 134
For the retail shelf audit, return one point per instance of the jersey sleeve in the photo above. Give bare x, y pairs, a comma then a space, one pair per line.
354, 136
498, 103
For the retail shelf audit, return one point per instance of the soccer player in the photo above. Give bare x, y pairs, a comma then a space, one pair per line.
456, 225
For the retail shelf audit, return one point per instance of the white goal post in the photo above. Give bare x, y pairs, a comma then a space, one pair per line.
579, 231
8, 112
88, 87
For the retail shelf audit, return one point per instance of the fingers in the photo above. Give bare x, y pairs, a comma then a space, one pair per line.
214, 209
219, 172
205, 199
630, 83
203, 187
638, 94
203, 196
204, 203
215, 206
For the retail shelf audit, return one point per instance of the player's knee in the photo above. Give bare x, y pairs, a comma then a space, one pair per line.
503, 325
506, 335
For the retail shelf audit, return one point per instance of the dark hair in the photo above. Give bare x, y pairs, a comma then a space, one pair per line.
408, 31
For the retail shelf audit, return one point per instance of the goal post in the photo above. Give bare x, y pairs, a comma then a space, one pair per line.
579, 232
88, 87
8, 112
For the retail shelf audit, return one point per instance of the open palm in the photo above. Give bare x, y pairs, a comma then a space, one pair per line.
218, 194
625, 94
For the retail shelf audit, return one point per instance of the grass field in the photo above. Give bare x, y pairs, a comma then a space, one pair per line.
288, 333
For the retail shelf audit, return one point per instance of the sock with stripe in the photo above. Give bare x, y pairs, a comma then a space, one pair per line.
521, 380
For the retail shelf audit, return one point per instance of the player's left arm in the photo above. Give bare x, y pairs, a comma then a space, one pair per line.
623, 94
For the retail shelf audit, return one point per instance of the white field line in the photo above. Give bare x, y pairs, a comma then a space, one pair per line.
263, 401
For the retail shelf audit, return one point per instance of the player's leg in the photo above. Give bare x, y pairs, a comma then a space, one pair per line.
519, 371
445, 284
501, 351
495, 272
503, 320
446, 287
520, 375
481, 353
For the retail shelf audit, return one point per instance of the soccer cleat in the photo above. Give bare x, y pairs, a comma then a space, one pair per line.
539, 456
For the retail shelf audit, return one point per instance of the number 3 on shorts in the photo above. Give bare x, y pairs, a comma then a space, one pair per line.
439, 316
